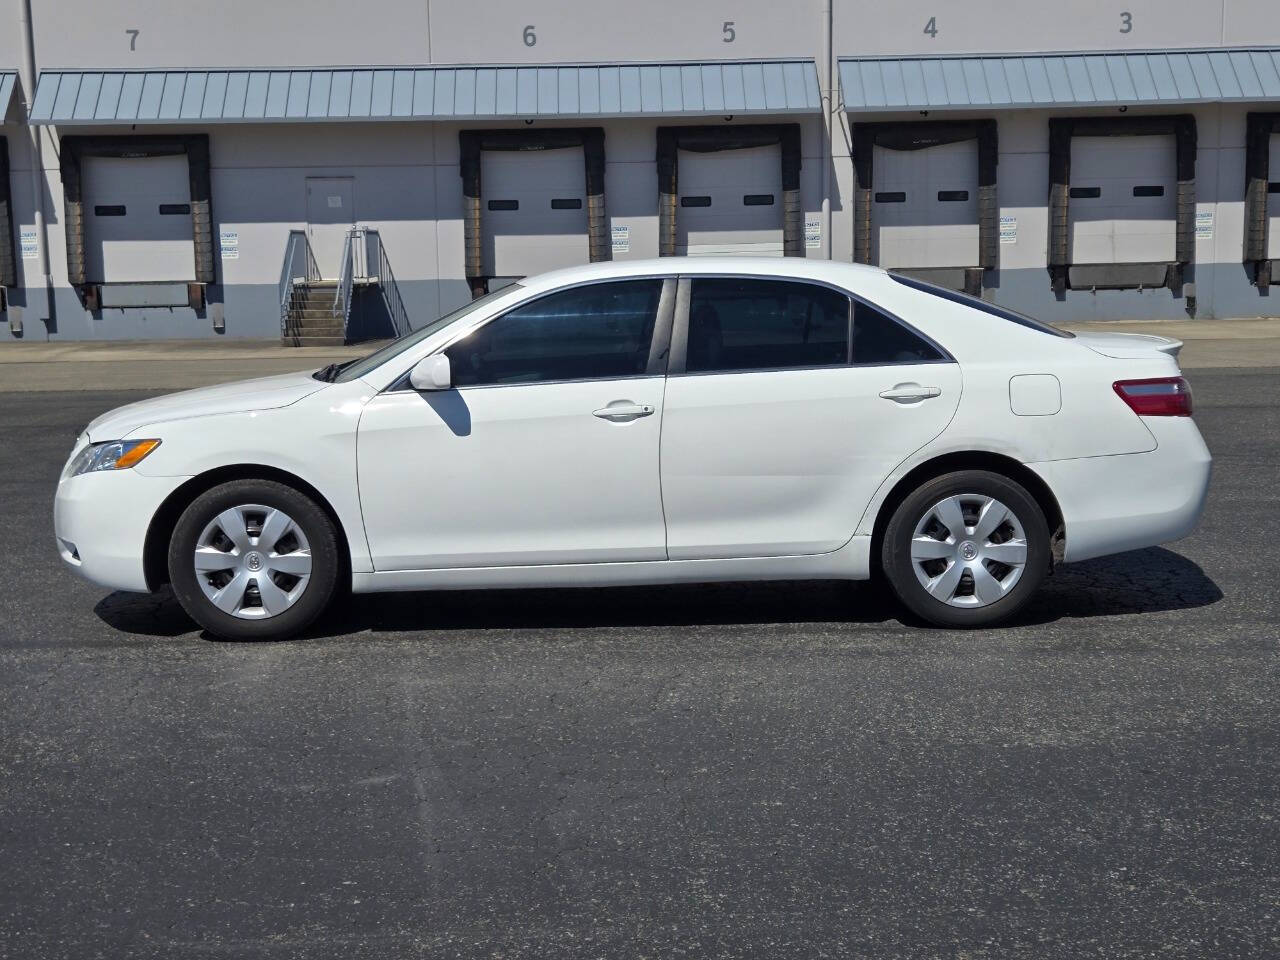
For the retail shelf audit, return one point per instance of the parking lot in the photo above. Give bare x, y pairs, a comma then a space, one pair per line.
730, 770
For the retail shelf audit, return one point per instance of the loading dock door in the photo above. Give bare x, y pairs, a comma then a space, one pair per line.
731, 202
534, 211
925, 206
331, 212
138, 220
1273, 200
1123, 199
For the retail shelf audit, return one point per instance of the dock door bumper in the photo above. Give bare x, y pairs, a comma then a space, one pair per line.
1259, 130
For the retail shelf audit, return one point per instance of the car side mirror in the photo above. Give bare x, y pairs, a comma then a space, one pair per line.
431, 373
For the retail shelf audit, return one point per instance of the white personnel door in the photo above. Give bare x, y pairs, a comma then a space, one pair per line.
1124, 199
545, 451
138, 220
534, 210
331, 213
730, 202
925, 206
1273, 200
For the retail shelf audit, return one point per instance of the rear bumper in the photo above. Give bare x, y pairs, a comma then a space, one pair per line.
100, 521
1118, 503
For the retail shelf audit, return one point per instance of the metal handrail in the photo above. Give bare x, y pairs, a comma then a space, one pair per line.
390, 290
291, 271
355, 266
346, 281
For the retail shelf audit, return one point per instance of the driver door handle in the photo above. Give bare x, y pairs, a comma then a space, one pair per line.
910, 393
622, 411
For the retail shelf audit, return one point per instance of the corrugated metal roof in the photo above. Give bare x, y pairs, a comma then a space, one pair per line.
608, 90
1059, 80
7, 80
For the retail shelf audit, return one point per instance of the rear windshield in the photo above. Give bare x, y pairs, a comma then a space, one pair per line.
1004, 313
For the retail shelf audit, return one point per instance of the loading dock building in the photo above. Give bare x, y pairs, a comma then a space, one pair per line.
248, 172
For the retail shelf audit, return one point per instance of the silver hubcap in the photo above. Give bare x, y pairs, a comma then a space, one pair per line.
252, 561
969, 550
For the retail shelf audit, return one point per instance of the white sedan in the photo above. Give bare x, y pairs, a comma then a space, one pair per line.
652, 422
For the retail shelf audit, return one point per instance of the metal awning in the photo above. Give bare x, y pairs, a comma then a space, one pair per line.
874, 84
65, 98
8, 82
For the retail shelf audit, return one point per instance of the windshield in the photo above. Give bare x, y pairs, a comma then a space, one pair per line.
358, 368
1004, 313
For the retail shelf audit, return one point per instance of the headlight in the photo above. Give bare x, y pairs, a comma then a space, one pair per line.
111, 455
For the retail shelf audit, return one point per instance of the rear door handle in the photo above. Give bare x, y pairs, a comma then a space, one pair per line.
621, 411
910, 393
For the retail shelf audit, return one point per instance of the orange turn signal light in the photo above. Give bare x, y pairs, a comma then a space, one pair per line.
136, 453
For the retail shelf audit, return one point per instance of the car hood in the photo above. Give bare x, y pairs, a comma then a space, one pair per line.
264, 393
1129, 346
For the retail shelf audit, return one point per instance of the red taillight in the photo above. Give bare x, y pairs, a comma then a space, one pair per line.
1159, 397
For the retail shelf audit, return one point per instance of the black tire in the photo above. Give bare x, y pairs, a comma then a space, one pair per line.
900, 570
314, 524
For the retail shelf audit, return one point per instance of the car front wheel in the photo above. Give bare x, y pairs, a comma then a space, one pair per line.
967, 549
253, 560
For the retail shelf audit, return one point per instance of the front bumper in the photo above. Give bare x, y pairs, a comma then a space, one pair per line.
1126, 502
100, 521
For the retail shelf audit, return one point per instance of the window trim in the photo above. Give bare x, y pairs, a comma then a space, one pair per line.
659, 341
680, 328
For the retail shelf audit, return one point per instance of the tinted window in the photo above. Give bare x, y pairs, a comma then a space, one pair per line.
601, 330
878, 338
1004, 313
763, 324
358, 368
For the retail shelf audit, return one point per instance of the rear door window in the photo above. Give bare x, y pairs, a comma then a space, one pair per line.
880, 339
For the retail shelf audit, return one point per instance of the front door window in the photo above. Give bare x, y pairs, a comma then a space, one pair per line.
593, 332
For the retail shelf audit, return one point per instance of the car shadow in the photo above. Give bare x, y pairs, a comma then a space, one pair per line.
1151, 580
1141, 581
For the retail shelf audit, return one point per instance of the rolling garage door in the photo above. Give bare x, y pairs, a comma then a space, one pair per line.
731, 202
1123, 199
1273, 200
925, 206
534, 211
138, 220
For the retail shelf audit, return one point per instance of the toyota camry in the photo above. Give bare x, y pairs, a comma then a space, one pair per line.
652, 422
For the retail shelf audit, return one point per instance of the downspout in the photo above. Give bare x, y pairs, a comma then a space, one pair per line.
828, 119
37, 167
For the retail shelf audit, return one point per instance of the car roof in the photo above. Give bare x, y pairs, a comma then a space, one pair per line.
798, 268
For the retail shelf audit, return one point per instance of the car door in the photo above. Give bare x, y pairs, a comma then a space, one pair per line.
787, 405
545, 450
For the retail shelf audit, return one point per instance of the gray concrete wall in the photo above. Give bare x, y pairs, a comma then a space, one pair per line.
407, 185
239, 33
406, 174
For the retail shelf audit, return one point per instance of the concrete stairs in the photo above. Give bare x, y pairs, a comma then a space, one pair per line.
312, 322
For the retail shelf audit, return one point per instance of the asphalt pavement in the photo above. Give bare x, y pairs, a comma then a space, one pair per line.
723, 771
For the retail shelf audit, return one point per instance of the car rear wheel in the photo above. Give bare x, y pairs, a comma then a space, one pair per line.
966, 549
253, 560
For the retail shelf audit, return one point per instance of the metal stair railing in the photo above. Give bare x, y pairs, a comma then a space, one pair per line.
346, 280
299, 265
356, 261
390, 289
